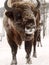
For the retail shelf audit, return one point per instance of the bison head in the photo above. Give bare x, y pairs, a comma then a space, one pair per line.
22, 16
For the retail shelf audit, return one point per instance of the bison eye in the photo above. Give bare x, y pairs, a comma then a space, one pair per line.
18, 16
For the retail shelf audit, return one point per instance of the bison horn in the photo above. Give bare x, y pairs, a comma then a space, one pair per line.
6, 6
38, 5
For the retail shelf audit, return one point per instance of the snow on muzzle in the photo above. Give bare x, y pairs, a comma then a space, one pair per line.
29, 31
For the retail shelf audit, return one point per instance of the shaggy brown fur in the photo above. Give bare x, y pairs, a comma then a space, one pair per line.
22, 15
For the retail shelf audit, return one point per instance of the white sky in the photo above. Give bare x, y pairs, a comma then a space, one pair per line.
2, 2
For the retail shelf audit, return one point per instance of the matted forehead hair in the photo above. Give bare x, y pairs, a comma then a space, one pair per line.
26, 7
23, 5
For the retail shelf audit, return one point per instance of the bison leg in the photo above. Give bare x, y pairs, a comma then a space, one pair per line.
14, 51
39, 40
34, 44
28, 47
38, 44
34, 49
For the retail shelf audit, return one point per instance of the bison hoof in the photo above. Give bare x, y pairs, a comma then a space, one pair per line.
27, 56
37, 45
14, 63
19, 46
41, 45
29, 61
34, 55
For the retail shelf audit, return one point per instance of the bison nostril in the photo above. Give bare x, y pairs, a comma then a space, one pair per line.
29, 31
28, 27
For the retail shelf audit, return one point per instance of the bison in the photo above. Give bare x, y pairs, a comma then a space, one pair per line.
21, 22
39, 37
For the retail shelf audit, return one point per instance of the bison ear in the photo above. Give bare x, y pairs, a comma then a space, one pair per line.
9, 14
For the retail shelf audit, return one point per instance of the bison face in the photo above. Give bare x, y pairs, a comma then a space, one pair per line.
22, 17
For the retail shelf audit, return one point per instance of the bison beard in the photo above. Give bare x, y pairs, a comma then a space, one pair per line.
21, 22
